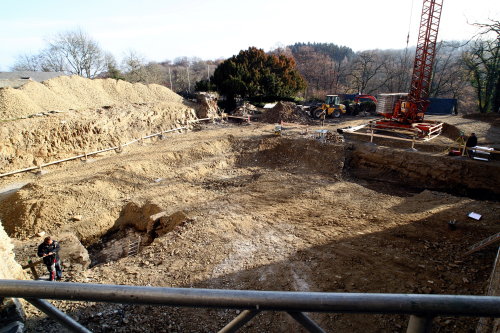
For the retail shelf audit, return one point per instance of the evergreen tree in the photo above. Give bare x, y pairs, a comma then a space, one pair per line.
259, 76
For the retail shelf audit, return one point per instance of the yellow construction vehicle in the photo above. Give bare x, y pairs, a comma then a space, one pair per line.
331, 108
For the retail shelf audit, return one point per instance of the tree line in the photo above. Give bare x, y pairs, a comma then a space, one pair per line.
468, 71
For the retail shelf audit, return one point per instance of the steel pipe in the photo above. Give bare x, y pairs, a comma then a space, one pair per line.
306, 322
453, 305
240, 321
59, 316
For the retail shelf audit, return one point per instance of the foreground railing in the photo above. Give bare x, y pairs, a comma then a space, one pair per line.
421, 308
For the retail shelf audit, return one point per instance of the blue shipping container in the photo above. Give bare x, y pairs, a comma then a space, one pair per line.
442, 106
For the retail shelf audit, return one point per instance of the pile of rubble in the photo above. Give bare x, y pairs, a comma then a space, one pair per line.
334, 137
287, 112
246, 109
207, 105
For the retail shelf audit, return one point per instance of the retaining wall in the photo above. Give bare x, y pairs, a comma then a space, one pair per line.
457, 175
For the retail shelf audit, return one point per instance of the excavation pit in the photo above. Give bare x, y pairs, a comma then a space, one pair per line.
268, 213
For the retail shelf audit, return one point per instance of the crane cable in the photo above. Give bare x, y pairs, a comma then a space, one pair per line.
409, 25
405, 56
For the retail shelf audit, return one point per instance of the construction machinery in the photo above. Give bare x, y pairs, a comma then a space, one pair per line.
408, 111
364, 98
330, 108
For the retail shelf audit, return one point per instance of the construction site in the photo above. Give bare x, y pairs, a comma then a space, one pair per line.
232, 205
174, 215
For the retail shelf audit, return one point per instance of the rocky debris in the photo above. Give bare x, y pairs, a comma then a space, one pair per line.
246, 109
207, 105
11, 310
286, 112
138, 217
334, 137
165, 224
9, 268
12, 315
149, 218
72, 252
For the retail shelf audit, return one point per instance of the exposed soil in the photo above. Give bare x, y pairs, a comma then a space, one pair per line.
66, 93
93, 115
492, 117
286, 112
260, 212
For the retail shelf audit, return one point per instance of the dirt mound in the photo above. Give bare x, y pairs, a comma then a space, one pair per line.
493, 118
246, 109
287, 112
137, 216
10, 269
77, 93
95, 114
304, 155
207, 105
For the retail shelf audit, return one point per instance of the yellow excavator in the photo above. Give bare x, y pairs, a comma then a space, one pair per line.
331, 108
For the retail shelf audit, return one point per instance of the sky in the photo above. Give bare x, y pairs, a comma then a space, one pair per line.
166, 29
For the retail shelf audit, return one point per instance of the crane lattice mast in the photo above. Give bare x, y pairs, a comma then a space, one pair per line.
424, 60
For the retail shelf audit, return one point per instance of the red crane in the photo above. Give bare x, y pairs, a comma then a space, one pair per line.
409, 112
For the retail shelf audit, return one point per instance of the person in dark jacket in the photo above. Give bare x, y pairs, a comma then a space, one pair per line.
48, 250
471, 142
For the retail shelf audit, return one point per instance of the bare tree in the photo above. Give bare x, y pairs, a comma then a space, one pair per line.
137, 69
53, 61
365, 67
483, 62
112, 70
73, 52
132, 65
319, 70
449, 73
396, 70
28, 62
80, 54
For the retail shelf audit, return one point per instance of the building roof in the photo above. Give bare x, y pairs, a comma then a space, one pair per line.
17, 79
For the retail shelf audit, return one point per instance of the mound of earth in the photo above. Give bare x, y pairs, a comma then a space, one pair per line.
493, 118
286, 112
77, 93
92, 115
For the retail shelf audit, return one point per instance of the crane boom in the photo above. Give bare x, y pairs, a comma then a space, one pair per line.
424, 60
408, 112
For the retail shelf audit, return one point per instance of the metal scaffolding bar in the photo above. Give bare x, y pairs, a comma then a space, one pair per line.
58, 315
306, 322
240, 321
453, 305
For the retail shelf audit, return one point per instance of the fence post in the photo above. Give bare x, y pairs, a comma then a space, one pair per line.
419, 324
33, 269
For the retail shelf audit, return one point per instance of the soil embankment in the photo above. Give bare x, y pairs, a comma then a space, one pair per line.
244, 209
92, 115
457, 175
